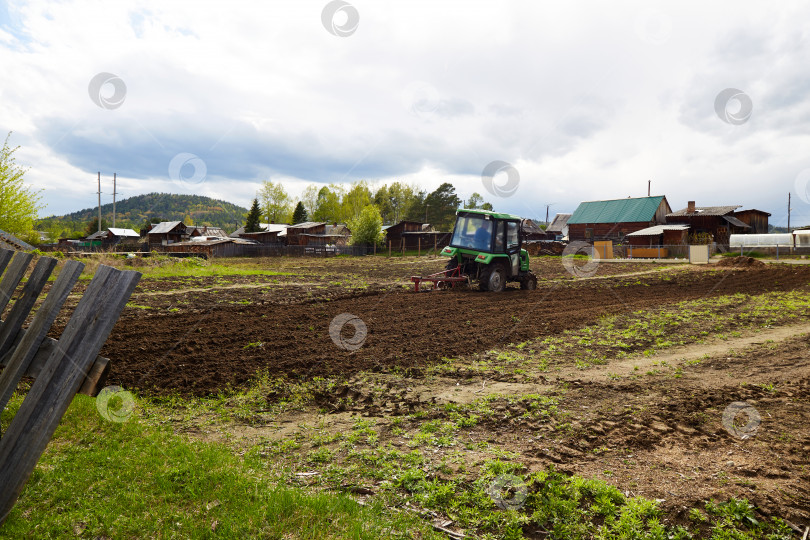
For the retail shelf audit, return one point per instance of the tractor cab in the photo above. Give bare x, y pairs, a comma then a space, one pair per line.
487, 246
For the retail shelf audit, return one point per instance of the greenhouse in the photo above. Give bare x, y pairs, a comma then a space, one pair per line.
761, 240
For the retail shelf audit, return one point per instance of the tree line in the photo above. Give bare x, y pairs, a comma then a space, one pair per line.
336, 203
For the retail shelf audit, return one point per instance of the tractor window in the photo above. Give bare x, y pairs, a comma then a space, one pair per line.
499, 236
512, 241
472, 232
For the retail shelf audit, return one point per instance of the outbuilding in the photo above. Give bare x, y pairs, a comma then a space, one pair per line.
718, 223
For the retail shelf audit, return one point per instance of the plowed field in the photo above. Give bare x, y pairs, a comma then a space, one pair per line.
202, 341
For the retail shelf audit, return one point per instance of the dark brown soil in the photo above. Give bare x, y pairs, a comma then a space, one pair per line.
740, 261
212, 343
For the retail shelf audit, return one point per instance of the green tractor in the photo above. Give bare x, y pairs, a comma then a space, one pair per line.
486, 246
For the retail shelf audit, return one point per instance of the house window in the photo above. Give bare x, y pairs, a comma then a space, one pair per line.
588, 234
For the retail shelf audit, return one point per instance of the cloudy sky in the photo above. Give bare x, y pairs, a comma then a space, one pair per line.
583, 101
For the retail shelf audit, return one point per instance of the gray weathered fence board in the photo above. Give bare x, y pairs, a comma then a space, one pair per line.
32, 427
33, 337
23, 305
91, 384
12, 277
5, 256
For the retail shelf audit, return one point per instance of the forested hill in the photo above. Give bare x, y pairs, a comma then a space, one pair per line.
135, 211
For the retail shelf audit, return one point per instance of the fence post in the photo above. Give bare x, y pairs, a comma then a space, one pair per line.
389, 248
435, 252
777, 252
402, 246
419, 247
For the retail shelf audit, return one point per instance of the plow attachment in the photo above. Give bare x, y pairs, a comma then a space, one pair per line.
443, 280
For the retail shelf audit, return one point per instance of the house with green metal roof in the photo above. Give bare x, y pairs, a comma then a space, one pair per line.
614, 219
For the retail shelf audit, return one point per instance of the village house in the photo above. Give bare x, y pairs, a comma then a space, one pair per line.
559, 226
614, 219
716, 223
414, 235
167, 232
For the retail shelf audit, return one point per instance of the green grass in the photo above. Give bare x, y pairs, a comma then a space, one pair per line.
133, 480
159, 266
138, 479
188, 269
754, 254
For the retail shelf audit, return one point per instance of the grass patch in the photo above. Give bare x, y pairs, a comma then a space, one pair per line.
158, 266
105, 479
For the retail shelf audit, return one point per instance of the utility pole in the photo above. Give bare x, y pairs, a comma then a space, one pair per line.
788, 227
99, 201
649, 182
547, 207
426, 209
114, 194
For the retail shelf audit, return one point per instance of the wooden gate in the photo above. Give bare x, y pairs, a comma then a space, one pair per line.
60, 368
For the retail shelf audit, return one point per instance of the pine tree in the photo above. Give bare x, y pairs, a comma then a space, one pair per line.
252, 221
300, 214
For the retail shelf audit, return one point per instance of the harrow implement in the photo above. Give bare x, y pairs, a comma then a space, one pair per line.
443, 280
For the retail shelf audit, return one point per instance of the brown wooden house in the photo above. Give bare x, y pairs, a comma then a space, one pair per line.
717, 222
531, 231
414, 235
167, 232
614, 219
277, 233
302, 233
192, 232
267, 238
559, 226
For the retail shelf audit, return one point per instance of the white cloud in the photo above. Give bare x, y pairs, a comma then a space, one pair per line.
586, 101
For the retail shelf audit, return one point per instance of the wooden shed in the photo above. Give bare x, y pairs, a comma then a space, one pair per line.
614, 219
718, 222
756, 219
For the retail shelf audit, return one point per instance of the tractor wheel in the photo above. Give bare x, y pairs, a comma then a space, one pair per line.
452, 264
492, 278
529, 282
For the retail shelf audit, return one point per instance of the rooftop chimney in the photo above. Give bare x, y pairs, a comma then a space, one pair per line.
690, 207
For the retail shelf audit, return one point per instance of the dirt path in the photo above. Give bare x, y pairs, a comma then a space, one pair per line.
677, 356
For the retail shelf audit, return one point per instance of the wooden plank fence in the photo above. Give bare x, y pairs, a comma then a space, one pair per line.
60, 368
